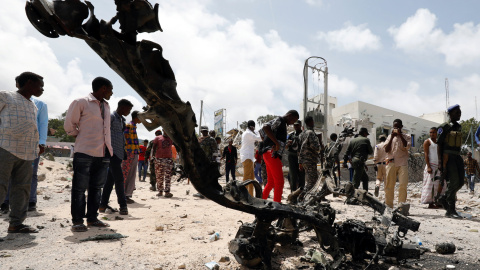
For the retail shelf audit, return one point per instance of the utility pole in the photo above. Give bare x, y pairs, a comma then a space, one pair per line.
201, 113
447, 94
472, 135
319, 66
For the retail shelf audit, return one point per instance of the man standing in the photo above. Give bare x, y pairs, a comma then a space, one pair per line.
332, 155
471, 169
379, 156
142, 161
297, 177
115, 174
19, 146
450, 162
88, 120
162, 147
396, 147
430, 186
129, 166
273, 146
150, 157
42, 126
359, 149
207, 143
247, 153
309, 149
230, 156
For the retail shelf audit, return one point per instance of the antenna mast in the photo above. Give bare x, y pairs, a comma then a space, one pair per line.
447, 95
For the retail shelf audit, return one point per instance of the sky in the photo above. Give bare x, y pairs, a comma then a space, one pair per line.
247, 56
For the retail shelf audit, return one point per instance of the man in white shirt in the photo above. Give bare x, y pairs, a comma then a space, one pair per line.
247, 152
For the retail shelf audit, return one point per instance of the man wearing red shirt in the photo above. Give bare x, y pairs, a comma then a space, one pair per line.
142, 163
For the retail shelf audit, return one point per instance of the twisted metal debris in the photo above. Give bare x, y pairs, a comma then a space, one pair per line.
142, 65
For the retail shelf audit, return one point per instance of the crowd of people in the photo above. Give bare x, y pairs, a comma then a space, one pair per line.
108, 154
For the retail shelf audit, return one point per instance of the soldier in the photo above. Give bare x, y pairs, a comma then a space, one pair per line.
207, 143
379, 156
297, 178
209, 146
332, 153
150, 157
450, 162
308, 155
359, 149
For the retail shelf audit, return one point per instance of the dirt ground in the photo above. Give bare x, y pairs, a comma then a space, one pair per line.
187, 223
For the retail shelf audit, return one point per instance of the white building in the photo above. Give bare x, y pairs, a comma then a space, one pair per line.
378, 118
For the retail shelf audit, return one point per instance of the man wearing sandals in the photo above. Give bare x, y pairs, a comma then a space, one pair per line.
88, 120
19, 146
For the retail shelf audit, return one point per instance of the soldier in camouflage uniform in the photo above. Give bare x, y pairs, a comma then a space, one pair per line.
207, 143
359, 149
332, 156
209, 146
450, 162
150, 157
308, 155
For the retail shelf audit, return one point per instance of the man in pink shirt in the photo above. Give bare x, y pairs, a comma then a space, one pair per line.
396, 146
88, 120
162, 147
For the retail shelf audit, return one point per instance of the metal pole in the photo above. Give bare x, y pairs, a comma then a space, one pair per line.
224, 131
305, 90
201, 113
325, 100
472, 135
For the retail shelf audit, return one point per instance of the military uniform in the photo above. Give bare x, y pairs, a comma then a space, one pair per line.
209, 146
148, 153
359, 149
297, 177
308, 157
332, 153
450, 140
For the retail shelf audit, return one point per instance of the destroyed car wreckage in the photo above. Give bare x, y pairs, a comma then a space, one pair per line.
142, 65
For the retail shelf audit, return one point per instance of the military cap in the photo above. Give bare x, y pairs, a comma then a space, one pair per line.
451, 108
363, 130
202, 128
298, 122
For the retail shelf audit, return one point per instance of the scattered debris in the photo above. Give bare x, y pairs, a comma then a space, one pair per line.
118, 218
212, 265
41, 177
214, 237
473, 230
46, 198
184, 216
224, 259
159, 227
109, 236
182, 266
198, 238
445, 248
40, 227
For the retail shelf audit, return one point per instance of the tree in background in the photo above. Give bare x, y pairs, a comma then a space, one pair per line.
466, 125
265, 118
57, 125
243, 125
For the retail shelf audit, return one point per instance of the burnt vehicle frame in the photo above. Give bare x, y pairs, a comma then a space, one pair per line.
142, 65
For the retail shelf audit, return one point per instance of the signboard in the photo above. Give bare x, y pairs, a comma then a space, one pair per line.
218, 122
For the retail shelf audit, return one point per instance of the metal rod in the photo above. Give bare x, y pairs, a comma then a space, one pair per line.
201, 113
